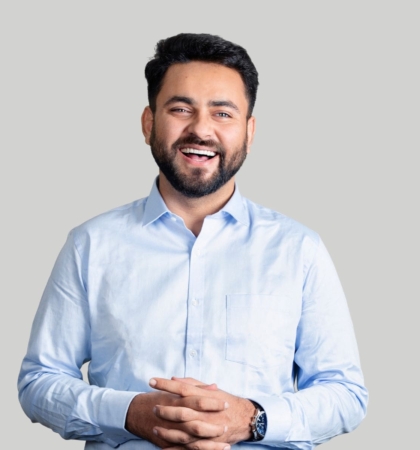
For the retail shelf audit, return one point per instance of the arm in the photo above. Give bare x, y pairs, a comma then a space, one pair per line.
331, 398
51, 389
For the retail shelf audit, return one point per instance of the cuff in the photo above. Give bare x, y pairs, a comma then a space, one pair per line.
111, 416
279, 420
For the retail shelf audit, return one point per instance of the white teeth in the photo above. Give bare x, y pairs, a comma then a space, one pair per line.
198, 152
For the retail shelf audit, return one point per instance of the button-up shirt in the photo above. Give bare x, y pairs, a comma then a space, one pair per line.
253, 303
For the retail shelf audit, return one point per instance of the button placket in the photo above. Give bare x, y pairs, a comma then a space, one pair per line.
195, 312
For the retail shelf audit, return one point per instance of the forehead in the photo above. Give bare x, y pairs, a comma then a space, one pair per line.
203, 81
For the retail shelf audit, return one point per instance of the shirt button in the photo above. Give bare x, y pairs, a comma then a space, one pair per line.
173, 218
193, 353
195, 302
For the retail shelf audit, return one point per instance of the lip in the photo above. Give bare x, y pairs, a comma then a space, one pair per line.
197, 163
198, 147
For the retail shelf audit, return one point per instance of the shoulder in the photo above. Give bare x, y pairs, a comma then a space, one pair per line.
276, 232
271, 220
109, 223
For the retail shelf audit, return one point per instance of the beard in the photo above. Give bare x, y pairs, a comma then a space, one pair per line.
195, 184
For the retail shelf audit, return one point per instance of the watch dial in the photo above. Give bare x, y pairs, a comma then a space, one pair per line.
261, 425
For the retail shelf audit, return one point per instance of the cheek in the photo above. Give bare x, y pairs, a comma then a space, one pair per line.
232, 137
169, 130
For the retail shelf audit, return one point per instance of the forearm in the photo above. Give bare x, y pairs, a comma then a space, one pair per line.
73, 408
50, 383
313, 415
298, 420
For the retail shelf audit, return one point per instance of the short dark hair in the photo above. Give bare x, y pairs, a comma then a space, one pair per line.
187, 47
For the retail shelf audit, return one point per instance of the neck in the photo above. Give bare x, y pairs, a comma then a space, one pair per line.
194, 210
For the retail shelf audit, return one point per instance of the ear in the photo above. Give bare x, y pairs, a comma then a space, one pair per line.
147, 123
250, 127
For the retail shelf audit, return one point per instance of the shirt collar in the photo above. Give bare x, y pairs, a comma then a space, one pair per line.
155, 207
236, 207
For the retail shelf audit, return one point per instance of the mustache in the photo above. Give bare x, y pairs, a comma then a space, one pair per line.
191, 140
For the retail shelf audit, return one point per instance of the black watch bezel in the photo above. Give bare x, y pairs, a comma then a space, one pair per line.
258, 423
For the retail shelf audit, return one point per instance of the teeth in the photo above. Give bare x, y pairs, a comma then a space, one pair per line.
198, 152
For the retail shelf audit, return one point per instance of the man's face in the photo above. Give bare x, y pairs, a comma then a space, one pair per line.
199, 134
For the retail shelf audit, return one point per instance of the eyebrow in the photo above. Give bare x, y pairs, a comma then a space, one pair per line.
180, 99
190, 101
225, 103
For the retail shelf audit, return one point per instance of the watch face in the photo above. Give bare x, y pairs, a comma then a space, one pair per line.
261, 424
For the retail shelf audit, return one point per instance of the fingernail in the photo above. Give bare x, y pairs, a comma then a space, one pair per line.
155, 431
226, 405
227, 447
152, 382
226, 428
154, 409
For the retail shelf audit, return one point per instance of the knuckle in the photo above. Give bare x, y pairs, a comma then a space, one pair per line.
201, 403
184, 390
196, 428
184, 439
194, 447
182, 415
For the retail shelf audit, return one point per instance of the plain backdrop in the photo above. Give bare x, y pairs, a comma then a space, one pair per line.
336, 148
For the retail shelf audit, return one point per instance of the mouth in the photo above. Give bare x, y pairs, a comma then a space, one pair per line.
198, 154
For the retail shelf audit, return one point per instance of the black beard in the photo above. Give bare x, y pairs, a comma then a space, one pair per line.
195, 186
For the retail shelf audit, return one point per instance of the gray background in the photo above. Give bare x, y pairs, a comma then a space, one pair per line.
337, 131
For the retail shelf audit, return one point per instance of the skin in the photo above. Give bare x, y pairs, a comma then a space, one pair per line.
206, 101
185, 413
216, 110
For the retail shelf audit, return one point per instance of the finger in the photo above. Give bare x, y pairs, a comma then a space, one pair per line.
201, 400
174, 436
194, 382
203, 404
204, 444
190, 432
175, 413
210, 387
189, 380
174, 387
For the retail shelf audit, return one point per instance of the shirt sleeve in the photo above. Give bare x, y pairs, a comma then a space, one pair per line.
51, 389
330, 398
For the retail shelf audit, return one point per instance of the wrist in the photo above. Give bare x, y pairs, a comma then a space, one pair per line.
238, 416
258, 423
140, 418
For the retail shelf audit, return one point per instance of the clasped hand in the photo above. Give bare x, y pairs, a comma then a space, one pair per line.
186, 413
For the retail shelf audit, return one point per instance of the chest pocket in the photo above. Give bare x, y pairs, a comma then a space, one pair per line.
260, 329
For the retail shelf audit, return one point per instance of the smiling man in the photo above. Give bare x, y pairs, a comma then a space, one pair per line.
208, 321
200, 133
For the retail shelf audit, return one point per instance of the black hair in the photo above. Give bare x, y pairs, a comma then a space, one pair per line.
187, 47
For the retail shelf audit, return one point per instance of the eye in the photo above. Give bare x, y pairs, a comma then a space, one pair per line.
179, 110
223, 114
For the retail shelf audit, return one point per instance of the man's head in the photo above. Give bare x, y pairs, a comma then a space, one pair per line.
199, 124
188, 47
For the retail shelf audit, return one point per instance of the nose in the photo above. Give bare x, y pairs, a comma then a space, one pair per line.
200, 126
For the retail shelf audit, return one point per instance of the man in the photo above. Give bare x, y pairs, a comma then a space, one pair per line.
208, 321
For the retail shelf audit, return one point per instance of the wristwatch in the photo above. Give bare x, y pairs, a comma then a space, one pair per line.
258, 423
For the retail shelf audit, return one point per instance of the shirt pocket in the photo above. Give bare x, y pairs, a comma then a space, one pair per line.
260, 330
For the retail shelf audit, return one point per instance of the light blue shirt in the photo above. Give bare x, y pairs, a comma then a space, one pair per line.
253, 304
